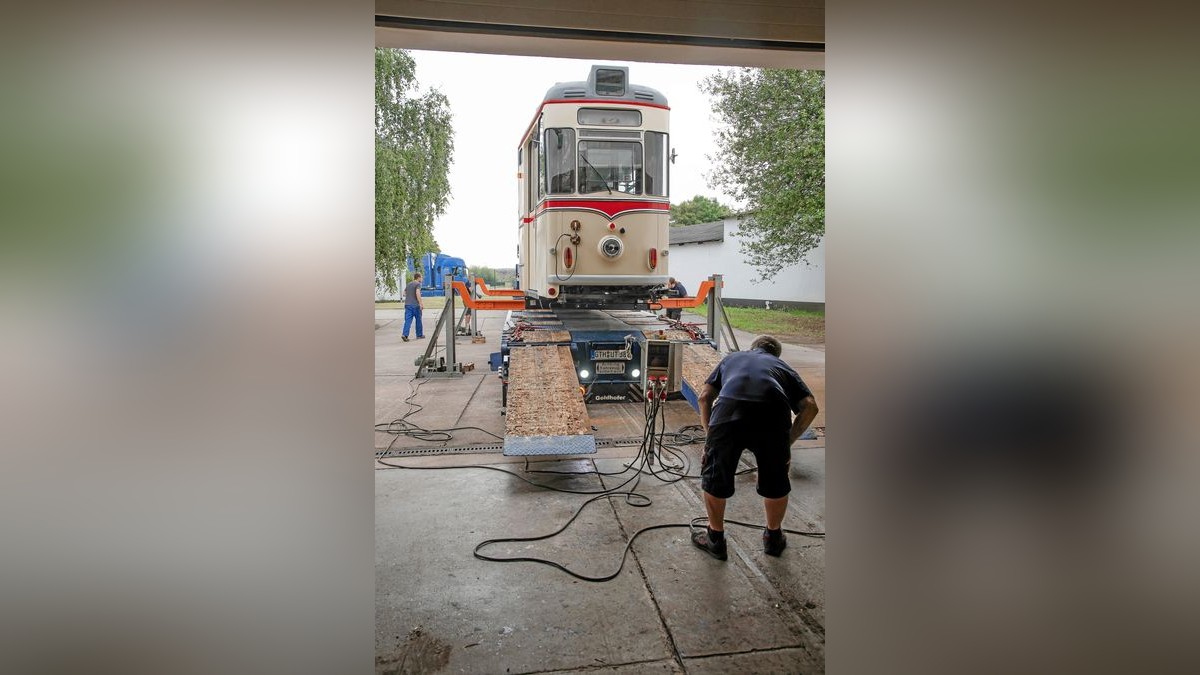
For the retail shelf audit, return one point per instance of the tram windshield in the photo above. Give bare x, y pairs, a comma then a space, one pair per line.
610, 166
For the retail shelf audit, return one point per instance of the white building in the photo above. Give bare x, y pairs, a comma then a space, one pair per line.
382, 294
699, 251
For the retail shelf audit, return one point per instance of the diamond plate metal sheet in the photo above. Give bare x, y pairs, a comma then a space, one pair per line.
481, 448
549, 445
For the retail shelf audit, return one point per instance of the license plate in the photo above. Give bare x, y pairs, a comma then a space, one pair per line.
611, 354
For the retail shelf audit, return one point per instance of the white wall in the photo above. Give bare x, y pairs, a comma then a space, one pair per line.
692, 263
382, 294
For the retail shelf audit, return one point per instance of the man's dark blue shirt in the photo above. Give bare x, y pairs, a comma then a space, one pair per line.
756, 385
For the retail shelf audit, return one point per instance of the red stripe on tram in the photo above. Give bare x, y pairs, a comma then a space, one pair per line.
609, 207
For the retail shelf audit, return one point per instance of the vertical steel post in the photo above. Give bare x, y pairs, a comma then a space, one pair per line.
474, 296
451, 361
714, 318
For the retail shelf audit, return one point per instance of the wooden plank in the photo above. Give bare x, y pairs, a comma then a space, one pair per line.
532, 336
543, 393
698, 363
669, 334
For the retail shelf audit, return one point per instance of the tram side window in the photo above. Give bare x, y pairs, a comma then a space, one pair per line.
528, 180
541, 172
610, 166
656, 163
560, 160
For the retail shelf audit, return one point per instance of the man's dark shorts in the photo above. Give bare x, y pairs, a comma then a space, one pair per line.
724, 446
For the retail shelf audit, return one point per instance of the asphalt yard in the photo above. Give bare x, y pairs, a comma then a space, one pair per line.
668, 607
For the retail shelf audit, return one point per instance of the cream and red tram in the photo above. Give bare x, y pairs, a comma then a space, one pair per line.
594, 200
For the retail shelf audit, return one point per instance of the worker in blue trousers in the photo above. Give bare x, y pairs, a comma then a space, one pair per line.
413, 305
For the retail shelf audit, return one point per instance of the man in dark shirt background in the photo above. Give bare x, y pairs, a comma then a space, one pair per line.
755, 394
413, 304
675, 290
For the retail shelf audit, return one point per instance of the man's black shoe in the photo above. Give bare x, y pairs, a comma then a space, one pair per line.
774, 542
716, 549
404, 337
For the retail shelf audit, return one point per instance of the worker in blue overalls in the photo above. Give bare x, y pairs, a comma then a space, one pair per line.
675, 290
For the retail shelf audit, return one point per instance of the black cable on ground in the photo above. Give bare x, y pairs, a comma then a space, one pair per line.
564, 568
650, 451
692, 526
629, 499
511, 473
401, 427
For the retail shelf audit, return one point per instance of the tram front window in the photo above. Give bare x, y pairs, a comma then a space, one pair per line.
610, 166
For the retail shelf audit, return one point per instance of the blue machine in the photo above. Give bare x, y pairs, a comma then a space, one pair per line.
435, 266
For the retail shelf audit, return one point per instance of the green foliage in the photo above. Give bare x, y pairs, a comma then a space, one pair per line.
414, 144
492, 276
772, 159
486, 273
698, 209
505, 276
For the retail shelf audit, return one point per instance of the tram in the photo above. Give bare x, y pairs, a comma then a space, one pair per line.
594, 198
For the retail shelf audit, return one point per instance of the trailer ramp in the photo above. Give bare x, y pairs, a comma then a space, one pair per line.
545, 413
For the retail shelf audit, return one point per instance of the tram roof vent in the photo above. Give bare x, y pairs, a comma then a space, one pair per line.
643, 95
577, 92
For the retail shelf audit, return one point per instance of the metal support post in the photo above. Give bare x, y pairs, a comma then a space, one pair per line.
714, 300
425, 365
448, 310
729, 327
451, 367
474, 296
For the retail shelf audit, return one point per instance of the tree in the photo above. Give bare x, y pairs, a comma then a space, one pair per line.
486, 273
414, 144
772, 159
698, 209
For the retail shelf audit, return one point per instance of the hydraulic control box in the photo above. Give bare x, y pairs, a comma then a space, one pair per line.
663, 359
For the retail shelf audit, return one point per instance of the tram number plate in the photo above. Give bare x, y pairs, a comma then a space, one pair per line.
611, 354
610, 367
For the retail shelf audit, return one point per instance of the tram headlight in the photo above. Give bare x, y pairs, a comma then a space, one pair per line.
611, 247
583, 374
636, 373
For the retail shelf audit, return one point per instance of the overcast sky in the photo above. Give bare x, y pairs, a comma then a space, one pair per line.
493, 99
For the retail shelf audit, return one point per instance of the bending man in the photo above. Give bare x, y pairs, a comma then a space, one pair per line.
755, 394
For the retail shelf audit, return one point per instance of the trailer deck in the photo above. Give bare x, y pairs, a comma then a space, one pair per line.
553, 362
606, 346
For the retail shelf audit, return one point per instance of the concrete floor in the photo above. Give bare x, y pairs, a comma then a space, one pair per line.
671, 609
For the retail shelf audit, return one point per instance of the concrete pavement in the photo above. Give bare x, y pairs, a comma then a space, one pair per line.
671, 609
